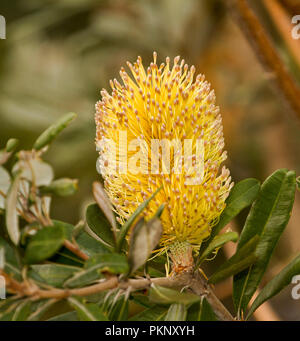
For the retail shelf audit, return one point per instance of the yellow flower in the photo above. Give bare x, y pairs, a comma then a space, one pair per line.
164, 103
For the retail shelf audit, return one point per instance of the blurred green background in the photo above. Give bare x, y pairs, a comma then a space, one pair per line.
58, 55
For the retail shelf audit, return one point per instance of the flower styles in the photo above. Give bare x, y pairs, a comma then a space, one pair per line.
164, 103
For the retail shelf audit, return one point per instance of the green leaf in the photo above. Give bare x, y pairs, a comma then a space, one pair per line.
86, 243
44, 244
95, 266
12, 264
216, 243
84, 277
241, 196
125, 228
268, 217
70, 316
87, 311
62, 187
242, 259
113, 263
155, 313
50, 134
162, 295
11, 145
279, 282
105, 205
176, 312
143, 240
22, 311
11, 214
118, 310
52, 274
4, 185
100, 225
40, 309
201, 311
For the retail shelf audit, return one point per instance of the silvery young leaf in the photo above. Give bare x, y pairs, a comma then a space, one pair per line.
42, 171
11, 214
4, 185
143, 239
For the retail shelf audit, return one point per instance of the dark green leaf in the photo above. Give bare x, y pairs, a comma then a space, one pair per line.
40, 309
44, 244
22, 311
70, 316
87, 311
143, 240
279, 282
201, 311
95, 266
118, 311
267, 218
12, 264
162, 295
216, 243
242, 259
52, 274
176, 312
155, 313
241, 196
99, 224
104, 203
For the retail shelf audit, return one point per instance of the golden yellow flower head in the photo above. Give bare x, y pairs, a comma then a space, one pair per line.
164, 103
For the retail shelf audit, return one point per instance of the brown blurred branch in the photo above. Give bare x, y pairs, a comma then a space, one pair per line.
266, 52
282, 20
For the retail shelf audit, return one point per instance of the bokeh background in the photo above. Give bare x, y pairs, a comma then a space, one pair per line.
59, 54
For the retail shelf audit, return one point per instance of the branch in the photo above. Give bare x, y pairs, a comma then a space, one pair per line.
184, 280
266, 53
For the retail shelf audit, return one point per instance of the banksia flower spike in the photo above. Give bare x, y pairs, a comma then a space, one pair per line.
164, 103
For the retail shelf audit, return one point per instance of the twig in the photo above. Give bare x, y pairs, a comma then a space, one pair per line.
266, 53
185, 280
75, 249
